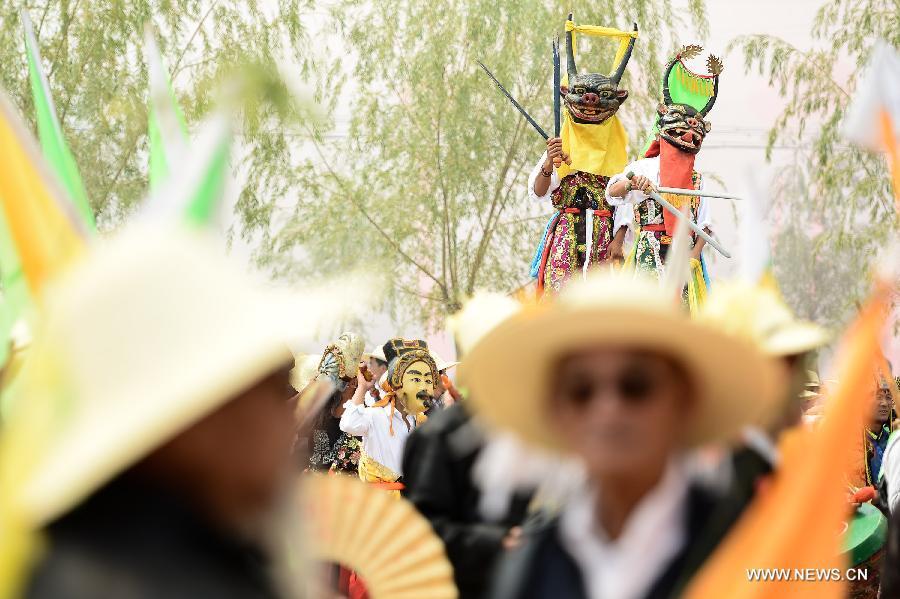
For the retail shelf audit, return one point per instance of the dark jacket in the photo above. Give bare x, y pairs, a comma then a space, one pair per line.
437, 465
748, 468
127, 542
542, 569
890, 567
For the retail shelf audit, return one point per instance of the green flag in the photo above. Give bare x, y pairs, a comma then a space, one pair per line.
201, 207
166, 128
53, 144
195, 187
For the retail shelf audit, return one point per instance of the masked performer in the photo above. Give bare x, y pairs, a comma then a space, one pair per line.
669, 161
591, 147
411, 380
338, 366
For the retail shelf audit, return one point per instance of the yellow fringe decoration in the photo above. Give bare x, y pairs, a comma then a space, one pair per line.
676, 199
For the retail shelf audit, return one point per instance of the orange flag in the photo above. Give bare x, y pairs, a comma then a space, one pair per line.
44, 230
794, 524
890, 145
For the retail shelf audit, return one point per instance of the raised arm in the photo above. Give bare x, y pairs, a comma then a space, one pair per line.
543, 177
357, 418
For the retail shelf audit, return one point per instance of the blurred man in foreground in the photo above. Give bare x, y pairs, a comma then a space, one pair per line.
158, 426
615, 374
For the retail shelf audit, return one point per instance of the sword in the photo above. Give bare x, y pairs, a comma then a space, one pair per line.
698, 193
696, 229
557, 81
556, 95
518, 106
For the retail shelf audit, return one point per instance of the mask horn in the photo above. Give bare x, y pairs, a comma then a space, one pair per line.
570, 53
620, 70
712, 101
667, 97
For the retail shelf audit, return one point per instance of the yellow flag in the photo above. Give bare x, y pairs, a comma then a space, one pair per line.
794, 524
43, 229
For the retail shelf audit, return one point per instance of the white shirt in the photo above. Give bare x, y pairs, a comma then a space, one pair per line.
655, 532
890, 470
373, 425
649, 167
371, 399
621, 217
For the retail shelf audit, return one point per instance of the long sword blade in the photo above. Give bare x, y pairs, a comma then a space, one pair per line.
556, 83
518, 106
698, 193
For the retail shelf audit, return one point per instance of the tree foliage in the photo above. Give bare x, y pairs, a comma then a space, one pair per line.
833, 202
429, 187
92, 51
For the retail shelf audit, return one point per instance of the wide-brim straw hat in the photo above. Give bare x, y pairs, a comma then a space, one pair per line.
479, 315
377, 353
440, 363
759, 312
149, 334
510, 371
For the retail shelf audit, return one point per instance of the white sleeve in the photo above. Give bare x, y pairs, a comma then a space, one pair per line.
704, 218
623, 217
890, 470
634, 196
356, 420
535, 173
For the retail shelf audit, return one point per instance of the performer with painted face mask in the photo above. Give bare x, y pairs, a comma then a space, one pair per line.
589, 147
680, 130
384, 427
338, 367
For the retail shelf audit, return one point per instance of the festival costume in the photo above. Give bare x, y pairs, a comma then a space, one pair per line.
580, 232
669, 162
330, 448
383, 427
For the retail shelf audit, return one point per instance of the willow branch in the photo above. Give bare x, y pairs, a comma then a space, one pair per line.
352, 197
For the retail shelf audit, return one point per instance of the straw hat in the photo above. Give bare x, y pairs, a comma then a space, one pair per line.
812, 385
440, 362
377, 353
148, 335
758, 312
478, 316
510, 370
